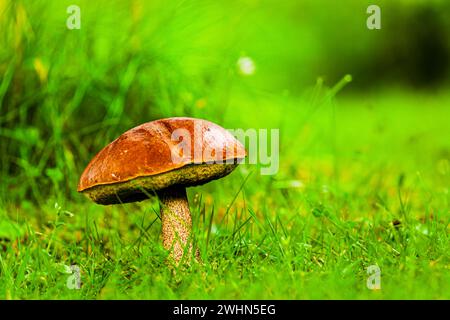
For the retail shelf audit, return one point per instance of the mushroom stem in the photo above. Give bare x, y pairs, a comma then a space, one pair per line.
176, 222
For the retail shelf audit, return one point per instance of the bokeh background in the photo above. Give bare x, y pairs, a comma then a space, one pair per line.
348, 149
66, 93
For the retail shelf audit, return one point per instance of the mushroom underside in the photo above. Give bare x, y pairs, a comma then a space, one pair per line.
142, 188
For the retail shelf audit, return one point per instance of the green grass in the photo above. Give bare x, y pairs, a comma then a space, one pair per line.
364, 173
278, 239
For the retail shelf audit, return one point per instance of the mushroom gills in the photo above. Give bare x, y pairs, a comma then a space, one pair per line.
141, 188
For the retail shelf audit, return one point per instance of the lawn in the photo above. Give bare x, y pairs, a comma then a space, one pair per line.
363, 175
380, 198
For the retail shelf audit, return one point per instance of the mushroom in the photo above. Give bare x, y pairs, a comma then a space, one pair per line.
163, 157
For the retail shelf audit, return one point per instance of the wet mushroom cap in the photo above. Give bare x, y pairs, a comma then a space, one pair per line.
141, 161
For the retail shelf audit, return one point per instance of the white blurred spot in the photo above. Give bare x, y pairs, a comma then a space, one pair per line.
296, 184
286, 184
422, 229
246, 66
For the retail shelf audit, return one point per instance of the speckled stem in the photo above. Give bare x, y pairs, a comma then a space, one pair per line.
176, 223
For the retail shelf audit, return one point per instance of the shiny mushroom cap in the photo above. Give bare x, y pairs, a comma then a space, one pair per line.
158, 155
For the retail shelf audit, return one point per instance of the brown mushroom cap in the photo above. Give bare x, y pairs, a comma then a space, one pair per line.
141, 161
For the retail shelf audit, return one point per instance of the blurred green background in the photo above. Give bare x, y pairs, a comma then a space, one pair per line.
66, 93
350, 147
